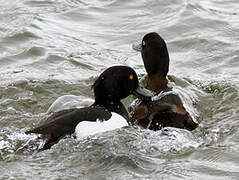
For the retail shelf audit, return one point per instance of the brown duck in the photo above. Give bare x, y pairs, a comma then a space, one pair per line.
169, 110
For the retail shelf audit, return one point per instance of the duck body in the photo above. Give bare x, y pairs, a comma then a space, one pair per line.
64, 122
112, 85
168, 110
86, 128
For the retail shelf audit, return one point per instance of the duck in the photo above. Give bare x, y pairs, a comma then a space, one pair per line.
114, 84
167, 110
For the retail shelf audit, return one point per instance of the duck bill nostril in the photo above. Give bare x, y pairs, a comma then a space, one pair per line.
143, 93
137, 47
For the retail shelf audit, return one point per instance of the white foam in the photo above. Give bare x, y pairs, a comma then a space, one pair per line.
161, 95
69, 101
187, 100
87, 128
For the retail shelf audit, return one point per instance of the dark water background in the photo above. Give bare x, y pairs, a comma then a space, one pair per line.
51, 49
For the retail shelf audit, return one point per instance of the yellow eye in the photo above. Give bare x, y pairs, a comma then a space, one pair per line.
143, 43
131, 77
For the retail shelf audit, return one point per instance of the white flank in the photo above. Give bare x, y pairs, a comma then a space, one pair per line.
87, 128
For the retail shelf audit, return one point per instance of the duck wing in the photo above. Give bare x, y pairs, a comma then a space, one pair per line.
174, 116
64, 122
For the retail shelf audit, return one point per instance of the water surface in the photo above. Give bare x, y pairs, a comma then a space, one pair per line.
51, 49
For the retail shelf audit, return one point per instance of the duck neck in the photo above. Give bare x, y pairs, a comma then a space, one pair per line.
114, 106
157, 83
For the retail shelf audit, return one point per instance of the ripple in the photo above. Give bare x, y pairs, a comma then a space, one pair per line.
51, 49
128, 152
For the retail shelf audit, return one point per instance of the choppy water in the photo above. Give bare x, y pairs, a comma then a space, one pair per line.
49, 49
